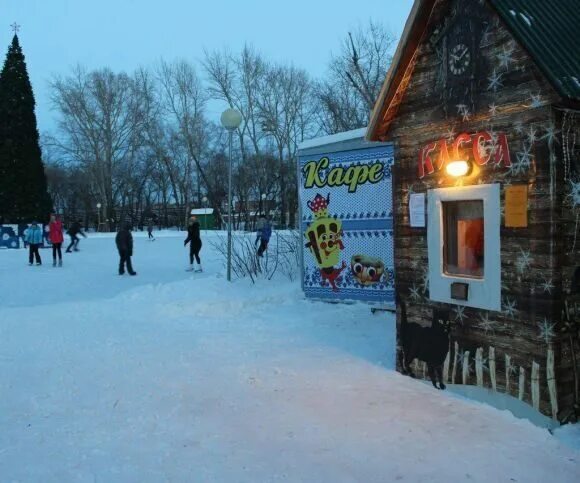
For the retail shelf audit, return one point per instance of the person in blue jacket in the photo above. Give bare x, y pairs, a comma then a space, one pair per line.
264, 234
34, 239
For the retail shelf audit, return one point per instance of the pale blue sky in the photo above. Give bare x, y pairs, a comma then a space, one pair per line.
124, 34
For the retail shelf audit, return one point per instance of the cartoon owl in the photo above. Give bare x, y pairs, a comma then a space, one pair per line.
367, 270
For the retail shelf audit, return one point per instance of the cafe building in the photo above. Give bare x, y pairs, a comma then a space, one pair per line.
481, 103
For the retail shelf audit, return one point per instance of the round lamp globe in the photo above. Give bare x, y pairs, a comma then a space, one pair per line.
231, 119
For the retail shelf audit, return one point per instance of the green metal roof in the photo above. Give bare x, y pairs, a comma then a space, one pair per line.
550, 31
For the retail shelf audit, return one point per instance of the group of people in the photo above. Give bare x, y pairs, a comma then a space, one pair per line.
34, 237
124, 242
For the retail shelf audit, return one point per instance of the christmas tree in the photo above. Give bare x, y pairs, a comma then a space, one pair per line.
23, 191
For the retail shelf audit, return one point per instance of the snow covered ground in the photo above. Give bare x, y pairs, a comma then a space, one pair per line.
178, 377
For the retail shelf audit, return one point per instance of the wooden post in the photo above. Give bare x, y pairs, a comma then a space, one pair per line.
535, 385
508, 372
551, 377
424, 370
479, 366
446, 368
522, 383
492, 368
453, 372
465, 373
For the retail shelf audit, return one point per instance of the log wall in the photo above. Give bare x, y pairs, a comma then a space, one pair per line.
520, 104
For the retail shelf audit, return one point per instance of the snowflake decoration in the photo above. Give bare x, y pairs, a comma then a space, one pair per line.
463, 111
415, 293
551, 133
485, 324
425, 280
535, 101
505, 57
509, 308
532, 135
519, 127
574, 196
461, 358
460, 314
516, 168
450, 134
524, 159
495, 81
547, 286
546, 331
492, 109
523, 261
486, 36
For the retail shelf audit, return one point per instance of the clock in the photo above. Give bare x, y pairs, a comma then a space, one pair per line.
455, 41
459, 59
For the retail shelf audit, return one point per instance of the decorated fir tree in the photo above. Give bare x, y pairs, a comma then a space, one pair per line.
23, 190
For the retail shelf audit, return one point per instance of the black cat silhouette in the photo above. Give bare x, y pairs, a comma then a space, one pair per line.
428, 344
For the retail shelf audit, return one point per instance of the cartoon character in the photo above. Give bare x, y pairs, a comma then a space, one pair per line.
367, 270
324, 237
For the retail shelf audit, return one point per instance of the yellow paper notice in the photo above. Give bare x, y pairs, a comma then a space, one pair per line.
516, 206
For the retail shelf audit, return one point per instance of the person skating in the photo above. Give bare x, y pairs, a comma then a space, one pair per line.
150, 231
73, 232
264, 235
194, 239
34, 239
56, 237
124, 241
259, 227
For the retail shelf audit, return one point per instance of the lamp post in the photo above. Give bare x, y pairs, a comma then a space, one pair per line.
99, 214
231, 120
204, 201
264, 202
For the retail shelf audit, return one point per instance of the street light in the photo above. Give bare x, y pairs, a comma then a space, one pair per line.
231, 120
204, 201
99, 213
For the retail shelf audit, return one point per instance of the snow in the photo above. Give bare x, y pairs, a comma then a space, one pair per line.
333, 138
173, 376
526, 19
201, 211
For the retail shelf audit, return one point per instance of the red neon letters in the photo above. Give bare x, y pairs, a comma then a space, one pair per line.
434, 156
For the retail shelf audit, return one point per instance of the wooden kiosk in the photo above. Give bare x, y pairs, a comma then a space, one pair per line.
481, 103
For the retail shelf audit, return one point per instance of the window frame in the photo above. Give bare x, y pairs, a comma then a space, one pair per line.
485, 292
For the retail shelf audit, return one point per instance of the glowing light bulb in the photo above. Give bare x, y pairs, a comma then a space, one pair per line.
458, 168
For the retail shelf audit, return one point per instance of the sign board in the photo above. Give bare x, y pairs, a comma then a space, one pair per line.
516, 206
347, 224
417, 210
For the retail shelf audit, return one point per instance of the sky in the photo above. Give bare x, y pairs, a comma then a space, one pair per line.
124, 34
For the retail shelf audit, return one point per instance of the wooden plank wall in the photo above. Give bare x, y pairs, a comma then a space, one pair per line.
567, 149
521, 107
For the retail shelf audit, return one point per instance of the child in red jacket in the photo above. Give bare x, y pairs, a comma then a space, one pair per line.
56, 237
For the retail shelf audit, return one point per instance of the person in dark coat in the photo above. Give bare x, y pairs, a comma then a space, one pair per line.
150, 231
124, 241
264, 235
194, 240
73, 232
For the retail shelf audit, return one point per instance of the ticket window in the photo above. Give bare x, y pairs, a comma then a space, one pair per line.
464, 246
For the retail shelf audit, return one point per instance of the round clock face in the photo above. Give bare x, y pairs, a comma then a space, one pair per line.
459, 59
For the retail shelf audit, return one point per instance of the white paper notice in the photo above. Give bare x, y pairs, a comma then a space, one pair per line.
417, 210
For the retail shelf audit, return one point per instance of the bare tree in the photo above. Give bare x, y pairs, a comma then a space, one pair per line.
100, 117
184, 100
281, 108
236, 80
348, 93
